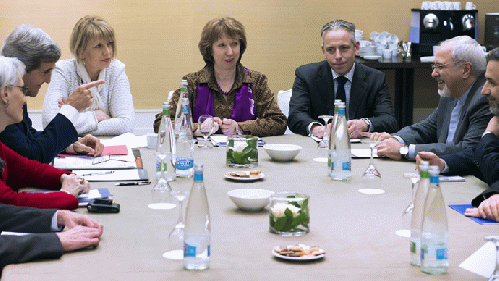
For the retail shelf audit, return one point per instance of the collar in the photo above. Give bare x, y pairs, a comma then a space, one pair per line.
349, 74
207, 76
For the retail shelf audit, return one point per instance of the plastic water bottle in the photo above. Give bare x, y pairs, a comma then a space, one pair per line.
331, 131
165, 146
184, 158
417, 213
178, 112
197, 231
434, 234
341, 158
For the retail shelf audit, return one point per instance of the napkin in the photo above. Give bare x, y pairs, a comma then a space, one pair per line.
483, 261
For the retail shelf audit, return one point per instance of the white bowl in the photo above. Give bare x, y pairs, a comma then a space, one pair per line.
282, 152
250, 199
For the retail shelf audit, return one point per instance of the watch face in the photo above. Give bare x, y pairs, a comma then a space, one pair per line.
404, 150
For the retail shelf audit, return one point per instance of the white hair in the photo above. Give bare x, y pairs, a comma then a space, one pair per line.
467, 49
10, 71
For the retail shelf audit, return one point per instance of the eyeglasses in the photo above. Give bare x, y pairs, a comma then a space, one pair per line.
24, 89
439, 66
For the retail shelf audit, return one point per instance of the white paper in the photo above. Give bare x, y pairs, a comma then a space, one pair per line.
363, 153
10, 233
129, 139
441, 178
105, 175
483, 261
88, 162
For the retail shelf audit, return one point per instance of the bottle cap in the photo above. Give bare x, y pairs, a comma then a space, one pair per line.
424, 165
434, 170
166, 105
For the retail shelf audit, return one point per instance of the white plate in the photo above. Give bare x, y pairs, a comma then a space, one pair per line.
372, 57
297, 258
228, 176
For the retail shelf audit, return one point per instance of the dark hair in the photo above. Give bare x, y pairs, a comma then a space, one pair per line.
340, 24
493, 55
214, 30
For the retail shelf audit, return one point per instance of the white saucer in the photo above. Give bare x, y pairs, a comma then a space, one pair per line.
371, 191
372, 57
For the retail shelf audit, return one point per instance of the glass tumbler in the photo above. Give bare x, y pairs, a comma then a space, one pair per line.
289, 214
242, 151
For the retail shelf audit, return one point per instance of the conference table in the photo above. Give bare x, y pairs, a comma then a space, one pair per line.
356, 230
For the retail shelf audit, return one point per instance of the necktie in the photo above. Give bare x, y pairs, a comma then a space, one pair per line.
340, 91
454, 121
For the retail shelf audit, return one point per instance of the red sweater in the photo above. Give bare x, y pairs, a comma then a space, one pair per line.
22, 173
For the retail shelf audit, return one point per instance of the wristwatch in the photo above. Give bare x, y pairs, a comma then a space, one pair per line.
368, 123
404, 152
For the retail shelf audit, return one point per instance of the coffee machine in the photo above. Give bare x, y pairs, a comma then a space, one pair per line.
430, 27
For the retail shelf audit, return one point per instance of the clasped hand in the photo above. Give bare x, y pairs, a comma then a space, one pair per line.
74, 185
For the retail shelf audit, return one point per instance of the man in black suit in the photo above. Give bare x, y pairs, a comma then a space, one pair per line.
483, 159
462, 113
317, 85
41, 240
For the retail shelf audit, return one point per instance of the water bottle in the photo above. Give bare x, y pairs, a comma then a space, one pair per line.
197, 231
165, 146
178, 112
434, 233
417, 213
331, 131
184, 157
341, 158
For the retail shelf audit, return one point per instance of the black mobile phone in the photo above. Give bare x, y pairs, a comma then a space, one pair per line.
103, 206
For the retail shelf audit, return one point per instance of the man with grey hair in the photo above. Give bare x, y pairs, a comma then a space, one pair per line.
317, 85
483, 159
39, 53
462, 113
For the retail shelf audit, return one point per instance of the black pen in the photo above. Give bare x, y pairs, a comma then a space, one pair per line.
133, 183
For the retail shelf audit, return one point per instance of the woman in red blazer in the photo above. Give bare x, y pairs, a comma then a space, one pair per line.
17, 172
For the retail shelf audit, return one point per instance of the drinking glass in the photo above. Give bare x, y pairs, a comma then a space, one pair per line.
407, 213
371, 179
324, 143
161, 192
495, 274
175, 240
206, 126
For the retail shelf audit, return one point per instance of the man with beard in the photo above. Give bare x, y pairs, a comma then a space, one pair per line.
462, 113
483, 159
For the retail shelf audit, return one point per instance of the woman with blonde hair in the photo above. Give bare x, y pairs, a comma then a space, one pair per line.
93, 44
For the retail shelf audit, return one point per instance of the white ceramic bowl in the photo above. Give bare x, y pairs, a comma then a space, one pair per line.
250, 199
282, 152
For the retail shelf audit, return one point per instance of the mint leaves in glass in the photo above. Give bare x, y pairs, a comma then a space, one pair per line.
242, 151
289, 214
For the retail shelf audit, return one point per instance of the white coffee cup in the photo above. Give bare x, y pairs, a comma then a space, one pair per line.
433, 6
457, 5
469, 6
448, 5
151, 140
425, 5
387, 53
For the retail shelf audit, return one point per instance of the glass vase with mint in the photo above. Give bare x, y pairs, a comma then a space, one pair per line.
289, 214
242, 151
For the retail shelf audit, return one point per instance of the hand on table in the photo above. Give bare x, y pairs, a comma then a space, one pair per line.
488, 209
432, 158
376, 136
230, 127
74, 185
88, 145
356, 127
72, 219
318, 130
390, 148
79, 237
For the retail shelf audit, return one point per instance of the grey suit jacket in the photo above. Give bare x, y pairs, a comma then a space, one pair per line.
313, 95
40, 244
431, 133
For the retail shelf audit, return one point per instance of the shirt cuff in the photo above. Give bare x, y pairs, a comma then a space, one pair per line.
412, 151
309, 127
70, 112
399, 139
54, 226
446, 169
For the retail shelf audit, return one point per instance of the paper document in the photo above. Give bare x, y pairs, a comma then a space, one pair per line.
113, 175
99, 193
82, 162
129, 139
363, 153
483, 261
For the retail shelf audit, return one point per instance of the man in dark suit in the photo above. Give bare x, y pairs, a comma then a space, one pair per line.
462, 113
317, 85
483, 159
39, 53
39, 239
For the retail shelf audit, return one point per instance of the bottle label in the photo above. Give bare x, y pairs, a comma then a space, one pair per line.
184, 164
190, 251
434, 179
332, 166
440, 252
198, 177
341, 111
413, 247
346, 166
183, 90
185, 109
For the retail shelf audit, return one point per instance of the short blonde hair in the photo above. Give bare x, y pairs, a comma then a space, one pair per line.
214, 30
86, 29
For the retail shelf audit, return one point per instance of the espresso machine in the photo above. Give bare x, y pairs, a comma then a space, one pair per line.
430, 27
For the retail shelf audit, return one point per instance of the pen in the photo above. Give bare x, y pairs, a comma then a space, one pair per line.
97, 174
133, 183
